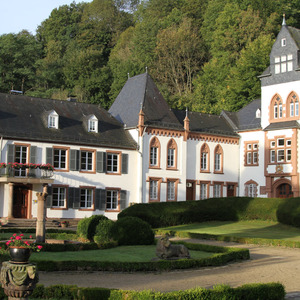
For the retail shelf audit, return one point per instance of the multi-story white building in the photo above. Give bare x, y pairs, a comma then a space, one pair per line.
141, 151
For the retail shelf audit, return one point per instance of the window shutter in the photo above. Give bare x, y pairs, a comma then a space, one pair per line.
33, 160
102, 199
124, 163
76, 201
49, 156
101, 162
74, 160
49, 197
10, 153
123, 199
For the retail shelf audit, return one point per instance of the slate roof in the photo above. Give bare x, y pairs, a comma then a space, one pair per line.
245, 118
24, 118
282, 125
141, 91
206, 123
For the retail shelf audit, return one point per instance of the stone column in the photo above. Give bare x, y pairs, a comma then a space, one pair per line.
18, 280
10, 200
41, 216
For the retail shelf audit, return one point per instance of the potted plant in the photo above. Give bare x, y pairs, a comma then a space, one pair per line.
20, 249
65, 224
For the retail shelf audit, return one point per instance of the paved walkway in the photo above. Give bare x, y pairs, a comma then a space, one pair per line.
266, 264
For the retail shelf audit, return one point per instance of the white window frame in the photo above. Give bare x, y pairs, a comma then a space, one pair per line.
86, 198
112, 197
203, 191
252, 190
21, 153
217, 190
93, 124
272, 156
59, 196
153, 189
86, 160
60, 158
171, 157
204, 158
171, 190
53, 120
112, 162
153, 156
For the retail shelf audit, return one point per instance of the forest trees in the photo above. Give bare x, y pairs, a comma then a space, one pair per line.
203, 54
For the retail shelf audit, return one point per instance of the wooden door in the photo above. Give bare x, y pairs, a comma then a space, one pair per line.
284, 191
230, 190
190, 190
20, 202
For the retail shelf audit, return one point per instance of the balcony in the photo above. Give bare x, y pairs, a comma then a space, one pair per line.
25, 174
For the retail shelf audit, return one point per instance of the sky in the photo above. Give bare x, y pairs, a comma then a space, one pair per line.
16, 15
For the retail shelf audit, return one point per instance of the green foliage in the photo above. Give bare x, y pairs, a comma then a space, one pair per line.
236, 208
102, 233
132, 231
266, 291
86, 227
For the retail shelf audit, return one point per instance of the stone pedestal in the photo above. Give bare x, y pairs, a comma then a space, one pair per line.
18, 280
41, 216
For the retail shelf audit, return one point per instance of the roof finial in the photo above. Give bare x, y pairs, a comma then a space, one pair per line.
186, 112
128, 75
146, 69
283, 21
141, 106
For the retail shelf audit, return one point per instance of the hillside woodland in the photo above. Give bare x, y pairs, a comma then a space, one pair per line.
203, 54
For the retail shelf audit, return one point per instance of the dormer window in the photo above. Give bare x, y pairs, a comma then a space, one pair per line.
283, 63
258, 113
93, 124
53, 120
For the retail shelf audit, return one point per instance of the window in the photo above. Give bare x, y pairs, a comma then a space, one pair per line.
251, 189
93, 124
251, 153
293, 105
283, 63
86, 160
154, 159
281, 150
112, 163
276, 106
112, 197
204, 158
154, 188
172, 189
20, 157
203, 191
218, 166
283, 42
172, 155
86, 198
58, 197
60, 158
217, 190
53, 120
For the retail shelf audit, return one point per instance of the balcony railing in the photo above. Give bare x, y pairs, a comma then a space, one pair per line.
25, 172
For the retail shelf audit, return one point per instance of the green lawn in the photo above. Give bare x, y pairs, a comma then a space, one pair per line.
250, 229
122, 254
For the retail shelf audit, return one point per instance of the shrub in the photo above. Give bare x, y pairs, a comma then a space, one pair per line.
103, 236
86, 227
132, 231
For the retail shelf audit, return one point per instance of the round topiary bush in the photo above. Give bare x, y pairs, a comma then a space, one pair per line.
86, 227
103, 236
132, 231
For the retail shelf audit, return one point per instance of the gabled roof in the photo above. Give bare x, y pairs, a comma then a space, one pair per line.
282, 125
21, 117
141, 92
245, 118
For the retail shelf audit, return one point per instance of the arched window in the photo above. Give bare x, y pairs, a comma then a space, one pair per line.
154, 158
251, 188
204, 154
293, 105
218, 164
276, 108
172, 155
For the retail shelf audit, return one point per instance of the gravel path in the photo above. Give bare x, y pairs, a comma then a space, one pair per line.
266, 264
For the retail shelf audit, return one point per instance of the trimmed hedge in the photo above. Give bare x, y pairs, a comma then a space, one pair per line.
223, 256
132, 231
266, 291
86, 227
286, 211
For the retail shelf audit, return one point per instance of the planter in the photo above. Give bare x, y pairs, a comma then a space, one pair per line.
19, 254
64, 225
